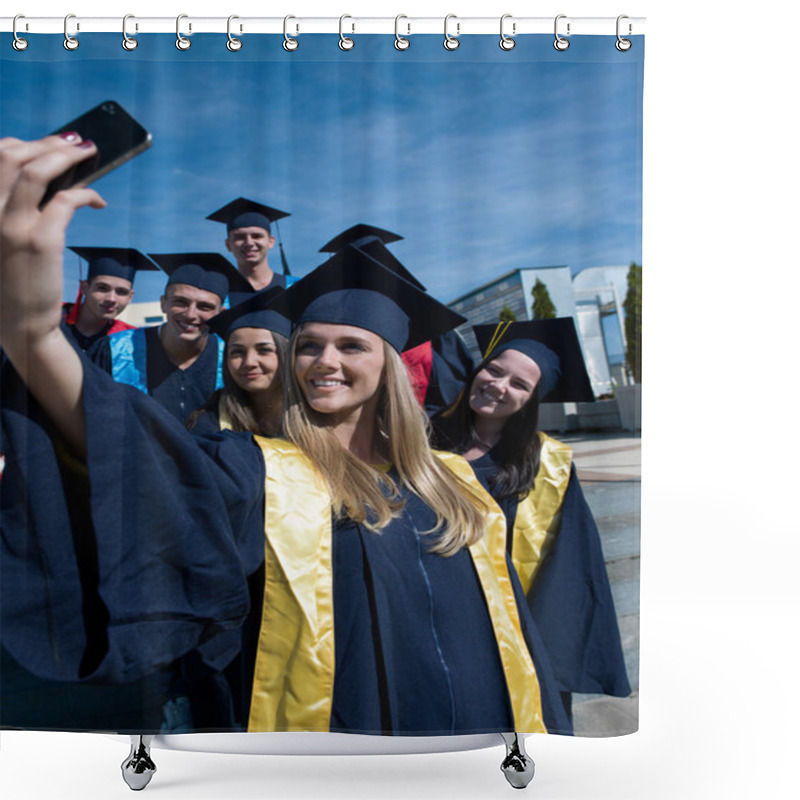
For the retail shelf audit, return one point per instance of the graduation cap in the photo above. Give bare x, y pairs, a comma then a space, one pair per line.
208, 271
352, 288
359, 235
553, 344
372, 241
244, 213
254, 312
119, 262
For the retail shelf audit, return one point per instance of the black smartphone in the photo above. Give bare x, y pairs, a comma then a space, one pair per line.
118, 136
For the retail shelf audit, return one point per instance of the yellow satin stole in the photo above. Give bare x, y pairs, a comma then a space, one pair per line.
539, 513
294, 672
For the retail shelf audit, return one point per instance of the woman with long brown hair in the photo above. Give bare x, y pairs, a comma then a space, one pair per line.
551, 535
256, 346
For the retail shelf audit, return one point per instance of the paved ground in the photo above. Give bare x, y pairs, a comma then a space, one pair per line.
609, 468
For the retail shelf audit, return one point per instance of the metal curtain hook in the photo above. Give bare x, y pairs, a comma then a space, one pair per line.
233, 44
560, 43
70, 42
623, 44
507, 42
289, 44
400, 42
19, 43
181, 42
128, 42
451, 42
344, 42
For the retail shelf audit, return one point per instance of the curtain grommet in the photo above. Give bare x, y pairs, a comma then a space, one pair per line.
451, 42
561, 44
70, 42
233, 44
401, 42
507, 42
19, 44
345, 42
622, 44
129, 43
181, 42
290, 44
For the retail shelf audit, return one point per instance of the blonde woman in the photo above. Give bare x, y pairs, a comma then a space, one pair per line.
388, 606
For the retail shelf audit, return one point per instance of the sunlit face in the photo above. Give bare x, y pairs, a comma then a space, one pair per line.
504, 385
339, 368
249, 245
252, 358
106, 296
187, 309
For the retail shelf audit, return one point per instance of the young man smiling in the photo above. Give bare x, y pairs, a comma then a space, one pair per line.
249, 227
104, 294
179, 363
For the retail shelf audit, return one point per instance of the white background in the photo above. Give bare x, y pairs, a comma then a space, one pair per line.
720, 603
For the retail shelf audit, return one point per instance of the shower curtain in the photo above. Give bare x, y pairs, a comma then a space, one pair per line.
511, 182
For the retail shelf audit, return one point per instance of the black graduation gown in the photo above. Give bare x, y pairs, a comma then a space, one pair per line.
169, 577
112, 588
570, 598
180, 391
450, 368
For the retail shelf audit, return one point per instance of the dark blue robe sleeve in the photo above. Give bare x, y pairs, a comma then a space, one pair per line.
571, 602
117, 567
100, 354
450, 368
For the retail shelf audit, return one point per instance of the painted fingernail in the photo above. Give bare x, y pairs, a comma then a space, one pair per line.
70, 136
86, 144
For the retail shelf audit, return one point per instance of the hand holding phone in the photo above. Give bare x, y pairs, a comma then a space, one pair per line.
118, 136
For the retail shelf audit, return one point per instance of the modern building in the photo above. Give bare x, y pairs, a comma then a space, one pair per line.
143, 314
592, 297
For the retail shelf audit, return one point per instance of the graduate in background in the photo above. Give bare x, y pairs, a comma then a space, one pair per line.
416, 626
249, 238
178, 363
104, 294
552, 536
256, 347
437, 369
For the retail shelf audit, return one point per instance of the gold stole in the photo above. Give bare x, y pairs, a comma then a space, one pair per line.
539, 513
294, 672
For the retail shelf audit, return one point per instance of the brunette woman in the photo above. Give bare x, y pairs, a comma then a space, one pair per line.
256, 346
551, 535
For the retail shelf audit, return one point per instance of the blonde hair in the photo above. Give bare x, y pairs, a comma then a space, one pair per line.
367, 495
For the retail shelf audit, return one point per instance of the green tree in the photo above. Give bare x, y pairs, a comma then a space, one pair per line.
543, 307
633, 322
507, 315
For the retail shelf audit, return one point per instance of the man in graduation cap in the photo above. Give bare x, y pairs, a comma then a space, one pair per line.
249, 227
438, 369
179, 363
104, 294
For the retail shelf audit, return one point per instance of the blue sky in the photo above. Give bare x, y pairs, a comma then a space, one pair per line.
484, 160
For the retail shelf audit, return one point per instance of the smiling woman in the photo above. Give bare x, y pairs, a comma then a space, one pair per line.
339, 369
416, 625
551, 535
256, 349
